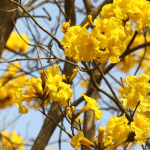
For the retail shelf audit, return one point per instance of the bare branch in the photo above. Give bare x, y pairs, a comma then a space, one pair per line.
88, 5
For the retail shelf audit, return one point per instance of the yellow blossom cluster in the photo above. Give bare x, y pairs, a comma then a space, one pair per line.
135, 10
12, 141
117, 132
144, 107
9, 82
96, 44
141, 128
136, 98
15, 42
53, 88
118, 129
106, 40
136, 90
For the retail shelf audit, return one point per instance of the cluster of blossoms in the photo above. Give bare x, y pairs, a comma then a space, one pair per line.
54, 88
12, 141
97, 44
106, 40
135, 94
136, 91
9, 82
135, 10
117, 132
119, 129
15, 42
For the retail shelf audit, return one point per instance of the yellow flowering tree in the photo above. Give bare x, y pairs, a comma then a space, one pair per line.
45, 65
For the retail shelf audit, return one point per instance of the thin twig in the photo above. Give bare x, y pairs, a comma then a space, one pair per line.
56, 123
56, 39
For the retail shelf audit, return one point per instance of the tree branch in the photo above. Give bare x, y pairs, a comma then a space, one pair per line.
88, 5
6, 22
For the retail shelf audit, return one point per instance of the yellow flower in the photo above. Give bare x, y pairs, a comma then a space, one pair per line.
15, 42
106, 28
8, 87
118, 129
14, 140
124, 9
106, 142
130, 102
58, 90
112, 52
144, 107
137, 88
12, 41
117, 9
18, 100
101, 131
107, 11
137, 11
79, 139
65, 26
52, 71
110, 33
144, 19
12, 70
24, 46
91, 104
141, 128
36, 84
34, 103
72, 39
89, 48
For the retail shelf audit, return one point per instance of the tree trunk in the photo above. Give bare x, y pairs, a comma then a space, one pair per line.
6, 21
